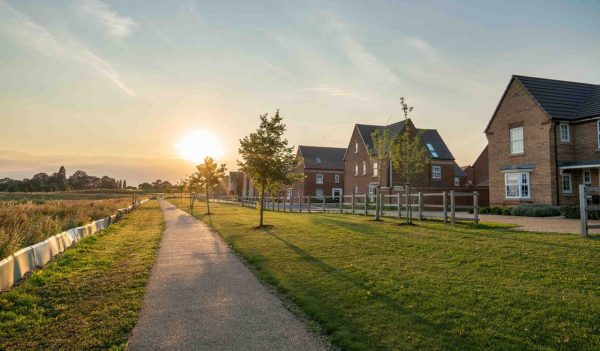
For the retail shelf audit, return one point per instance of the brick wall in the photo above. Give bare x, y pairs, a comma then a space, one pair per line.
518, 107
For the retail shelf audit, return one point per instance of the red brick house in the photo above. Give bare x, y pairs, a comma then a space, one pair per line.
362, 172
323, 169
478, 177
543, 141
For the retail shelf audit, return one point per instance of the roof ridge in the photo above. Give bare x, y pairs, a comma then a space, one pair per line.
554, 80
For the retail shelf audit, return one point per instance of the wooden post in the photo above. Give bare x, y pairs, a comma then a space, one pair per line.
299, 203
408, 204
291, 203
353, 201
445, 206
377, 202
324, 198
341, 203
452, 207
308, 199
420, 205
381, 203
398, 201
476, 207
583, 211
366, 205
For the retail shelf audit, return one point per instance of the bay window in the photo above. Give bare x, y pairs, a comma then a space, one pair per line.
516, 141
517, 185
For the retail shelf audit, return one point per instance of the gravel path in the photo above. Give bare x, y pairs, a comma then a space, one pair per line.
201, 297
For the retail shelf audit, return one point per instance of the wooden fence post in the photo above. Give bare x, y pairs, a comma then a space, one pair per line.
452, 207
324, 199
445, 206
366, 205
308, 199
353, 201
583, 218
299, 203
341, 203
420, 205
476, 207
399, 202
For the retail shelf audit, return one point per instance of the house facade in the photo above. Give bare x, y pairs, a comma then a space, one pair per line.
362, 174
323, 170
543, 141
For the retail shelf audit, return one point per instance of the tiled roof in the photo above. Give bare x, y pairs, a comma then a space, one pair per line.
366, 130
432, 137
458, 172
322, 157
564, 100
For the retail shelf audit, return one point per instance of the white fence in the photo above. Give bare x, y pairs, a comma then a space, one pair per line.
16, 266
389, 205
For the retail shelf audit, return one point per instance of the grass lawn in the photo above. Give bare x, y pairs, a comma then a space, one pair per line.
89, 297
378, 286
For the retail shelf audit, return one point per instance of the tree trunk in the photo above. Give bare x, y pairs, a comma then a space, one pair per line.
207, 202
262, 204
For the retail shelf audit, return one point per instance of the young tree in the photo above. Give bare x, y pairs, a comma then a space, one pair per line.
266, 157
380, 155
210, 174
409, 154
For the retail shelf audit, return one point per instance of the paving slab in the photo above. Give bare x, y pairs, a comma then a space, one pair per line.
200, 296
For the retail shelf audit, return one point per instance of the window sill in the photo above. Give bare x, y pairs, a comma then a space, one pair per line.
562, 142
568, 194
514, 155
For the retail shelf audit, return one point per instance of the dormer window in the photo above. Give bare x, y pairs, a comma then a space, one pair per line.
565, 135
318, 160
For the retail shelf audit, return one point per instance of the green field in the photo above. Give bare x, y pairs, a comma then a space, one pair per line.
89, 297
379, 285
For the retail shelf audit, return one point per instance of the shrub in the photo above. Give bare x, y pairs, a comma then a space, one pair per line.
536, 211
571, 212
507, 211
496, 210
484, 210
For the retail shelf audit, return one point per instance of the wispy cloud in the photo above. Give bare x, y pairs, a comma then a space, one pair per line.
332, 90
421, 46
117, 25
358, 54
36, 37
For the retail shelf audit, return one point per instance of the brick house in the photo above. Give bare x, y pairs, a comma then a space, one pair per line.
323, 169
361, 173
478, 177
543, 141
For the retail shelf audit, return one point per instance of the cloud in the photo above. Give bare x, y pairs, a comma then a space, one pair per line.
37, 37
422, 46
360, 56
332, 90
117, 25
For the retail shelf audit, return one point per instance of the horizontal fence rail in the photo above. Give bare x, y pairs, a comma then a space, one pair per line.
389, 205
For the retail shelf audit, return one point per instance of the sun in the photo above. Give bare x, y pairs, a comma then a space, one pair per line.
196, 145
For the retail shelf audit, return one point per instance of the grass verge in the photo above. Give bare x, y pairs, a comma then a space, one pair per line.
89, 297
379, 286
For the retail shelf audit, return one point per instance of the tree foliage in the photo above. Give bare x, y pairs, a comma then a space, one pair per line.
209, 176
266, 157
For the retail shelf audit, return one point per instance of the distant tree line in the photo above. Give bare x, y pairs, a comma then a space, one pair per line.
158, 185
58, 181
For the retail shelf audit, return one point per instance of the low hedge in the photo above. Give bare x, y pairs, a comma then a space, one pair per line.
572, 212
536, 211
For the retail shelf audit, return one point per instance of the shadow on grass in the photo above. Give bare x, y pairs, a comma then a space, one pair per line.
418, 323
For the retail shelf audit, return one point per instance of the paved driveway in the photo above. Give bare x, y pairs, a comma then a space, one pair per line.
540, 224
201, 297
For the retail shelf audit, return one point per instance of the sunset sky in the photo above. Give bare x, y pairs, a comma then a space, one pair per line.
112, 87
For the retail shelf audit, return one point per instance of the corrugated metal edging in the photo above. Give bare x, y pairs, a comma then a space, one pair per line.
16, 266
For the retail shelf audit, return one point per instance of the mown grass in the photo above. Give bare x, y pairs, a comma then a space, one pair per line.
88, 298
27, 223
381, 286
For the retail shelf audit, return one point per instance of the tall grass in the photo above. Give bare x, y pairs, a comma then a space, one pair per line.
26, 223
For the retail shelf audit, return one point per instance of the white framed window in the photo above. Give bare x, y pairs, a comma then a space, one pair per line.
516, 140
364, 167
587, 178
319, 179
375, 169
356, 147
456, 181
336, 193
566, 184
516, 185
319, 193
336, 178
436, 172
356, 169
565, 135
289, 193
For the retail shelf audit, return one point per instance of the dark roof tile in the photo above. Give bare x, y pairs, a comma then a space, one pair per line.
322, 157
